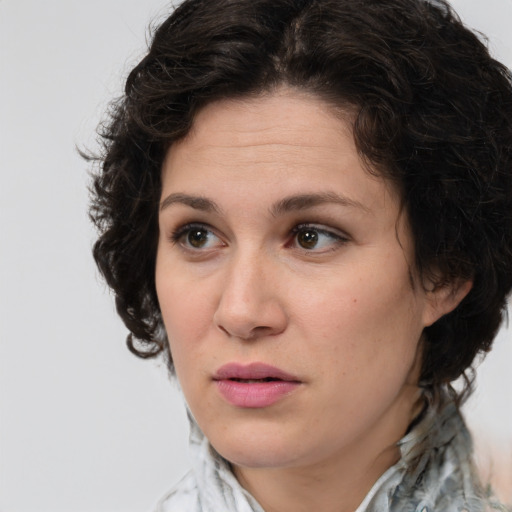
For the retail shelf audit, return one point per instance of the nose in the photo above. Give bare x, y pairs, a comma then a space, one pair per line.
250, 306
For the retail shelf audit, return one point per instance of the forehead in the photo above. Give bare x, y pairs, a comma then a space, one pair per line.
283, 116
290, 132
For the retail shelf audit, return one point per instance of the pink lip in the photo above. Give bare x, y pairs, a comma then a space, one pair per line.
230, 383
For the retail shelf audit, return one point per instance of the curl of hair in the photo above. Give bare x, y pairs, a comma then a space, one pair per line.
433, 114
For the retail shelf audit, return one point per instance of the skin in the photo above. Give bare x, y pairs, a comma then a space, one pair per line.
336, 303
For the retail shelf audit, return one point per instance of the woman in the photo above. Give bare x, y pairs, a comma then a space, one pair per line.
309, 202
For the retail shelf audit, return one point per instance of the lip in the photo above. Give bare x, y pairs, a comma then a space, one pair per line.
267, 385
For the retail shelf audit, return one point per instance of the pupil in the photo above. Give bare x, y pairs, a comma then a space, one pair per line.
197, 237
308, 239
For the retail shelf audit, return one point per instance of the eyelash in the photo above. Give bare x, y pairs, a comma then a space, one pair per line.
178, 234
336, 238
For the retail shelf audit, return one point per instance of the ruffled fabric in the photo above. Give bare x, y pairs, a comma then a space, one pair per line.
435, 474
210, 486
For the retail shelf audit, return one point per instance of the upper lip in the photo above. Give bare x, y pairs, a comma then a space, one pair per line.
253, 371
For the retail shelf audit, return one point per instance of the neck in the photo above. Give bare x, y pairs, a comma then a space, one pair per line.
326, 488
340, 482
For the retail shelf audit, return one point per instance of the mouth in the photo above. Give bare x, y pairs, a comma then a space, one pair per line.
252, 381
254, 386
255, 372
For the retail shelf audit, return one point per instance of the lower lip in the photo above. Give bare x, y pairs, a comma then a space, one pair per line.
254, 394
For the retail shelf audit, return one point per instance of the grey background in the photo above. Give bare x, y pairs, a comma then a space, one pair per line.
84, 425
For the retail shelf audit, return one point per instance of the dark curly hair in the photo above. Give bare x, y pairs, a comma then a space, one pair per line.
433, 114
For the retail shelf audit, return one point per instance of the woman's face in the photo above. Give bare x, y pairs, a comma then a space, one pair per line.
286, 282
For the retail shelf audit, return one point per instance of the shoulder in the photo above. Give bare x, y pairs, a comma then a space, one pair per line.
183, 497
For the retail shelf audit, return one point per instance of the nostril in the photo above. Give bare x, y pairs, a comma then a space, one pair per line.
224, 330
250, 334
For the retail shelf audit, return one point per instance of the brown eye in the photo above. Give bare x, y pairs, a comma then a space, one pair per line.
197, 237
307, 238
317, 239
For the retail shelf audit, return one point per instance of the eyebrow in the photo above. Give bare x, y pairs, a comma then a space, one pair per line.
305, 201
197, 202
288, 204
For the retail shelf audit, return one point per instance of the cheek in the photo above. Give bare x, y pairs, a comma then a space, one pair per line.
185, 319
364, 317
185, 308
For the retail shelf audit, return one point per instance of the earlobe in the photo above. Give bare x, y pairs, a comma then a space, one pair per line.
445, 298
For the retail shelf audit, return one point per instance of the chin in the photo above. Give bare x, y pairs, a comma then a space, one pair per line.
258, 457
257, 450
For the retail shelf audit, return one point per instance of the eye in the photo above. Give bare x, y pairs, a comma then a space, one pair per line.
196, 237
315, 238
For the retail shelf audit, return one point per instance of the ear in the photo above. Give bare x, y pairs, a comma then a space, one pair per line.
443, 299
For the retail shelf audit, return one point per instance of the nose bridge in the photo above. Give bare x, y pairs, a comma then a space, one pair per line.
249, 303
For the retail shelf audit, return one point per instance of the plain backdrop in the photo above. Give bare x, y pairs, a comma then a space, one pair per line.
84, 425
